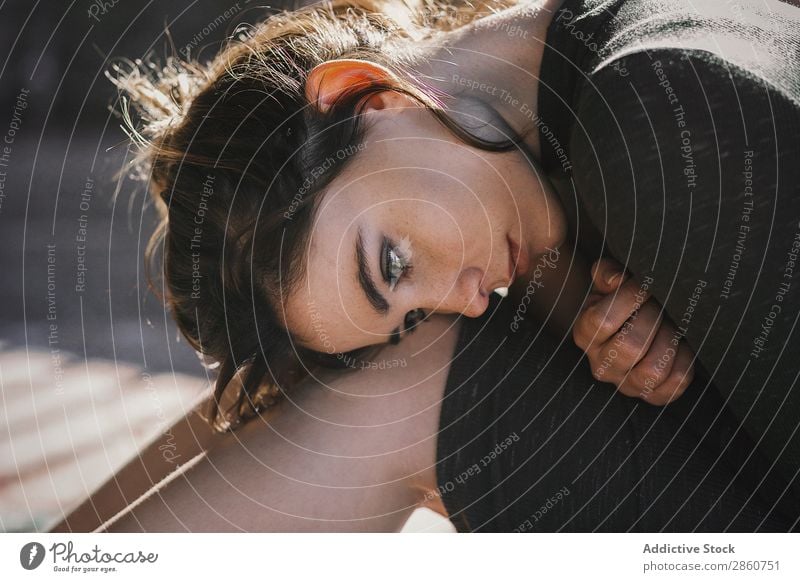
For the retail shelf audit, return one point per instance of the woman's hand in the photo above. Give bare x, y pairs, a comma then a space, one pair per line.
627, 340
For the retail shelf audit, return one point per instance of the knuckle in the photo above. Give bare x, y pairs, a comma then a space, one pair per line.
598, 373
685, 380
686, 377
656, 370
606, 328
580, 336
629, 353
645, 377
595, 319
648, 373
653, 399
656, 398
629, 389
674, 386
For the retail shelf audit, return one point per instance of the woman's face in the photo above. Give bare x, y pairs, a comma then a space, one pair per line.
416, 194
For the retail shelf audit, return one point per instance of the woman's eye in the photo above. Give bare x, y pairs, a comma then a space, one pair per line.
395, 262
412, 319
395, 268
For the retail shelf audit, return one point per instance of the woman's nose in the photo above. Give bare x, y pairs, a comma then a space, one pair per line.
460, 296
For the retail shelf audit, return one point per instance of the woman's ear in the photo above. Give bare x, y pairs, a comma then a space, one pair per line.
328, 80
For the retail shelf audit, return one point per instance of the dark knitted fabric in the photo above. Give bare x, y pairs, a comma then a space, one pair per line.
678, 134
529, 441
681, 124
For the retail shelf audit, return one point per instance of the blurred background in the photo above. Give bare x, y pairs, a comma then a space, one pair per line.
91, 367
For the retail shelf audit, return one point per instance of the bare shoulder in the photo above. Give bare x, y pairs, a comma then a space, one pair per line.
401, 390
343, 452
400, 393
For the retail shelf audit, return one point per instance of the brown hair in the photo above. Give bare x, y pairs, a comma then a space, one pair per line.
226, 146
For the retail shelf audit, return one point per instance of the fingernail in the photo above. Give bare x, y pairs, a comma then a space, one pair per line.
613, 277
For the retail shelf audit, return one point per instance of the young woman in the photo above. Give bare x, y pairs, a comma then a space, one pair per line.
271, 169
320, 201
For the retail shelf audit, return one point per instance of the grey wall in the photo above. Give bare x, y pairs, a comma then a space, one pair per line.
63, 136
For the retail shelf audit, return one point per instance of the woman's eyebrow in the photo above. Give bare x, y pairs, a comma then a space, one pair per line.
378, 301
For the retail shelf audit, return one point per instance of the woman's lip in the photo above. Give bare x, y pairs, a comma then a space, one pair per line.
517, 260
517, 265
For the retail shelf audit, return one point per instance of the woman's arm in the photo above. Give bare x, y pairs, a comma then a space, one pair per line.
188, 437
346, 452
293, 473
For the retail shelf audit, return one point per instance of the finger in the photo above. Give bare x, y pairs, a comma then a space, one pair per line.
620, 355
591, 299
636, 336
679, 379
607, 275
655, 367
599, 322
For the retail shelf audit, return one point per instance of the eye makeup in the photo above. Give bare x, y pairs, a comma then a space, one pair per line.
395, 261
410, 323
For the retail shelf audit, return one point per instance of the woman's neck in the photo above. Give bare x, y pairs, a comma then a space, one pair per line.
495, 61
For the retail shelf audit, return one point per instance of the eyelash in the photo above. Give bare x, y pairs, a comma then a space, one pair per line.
388, 249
